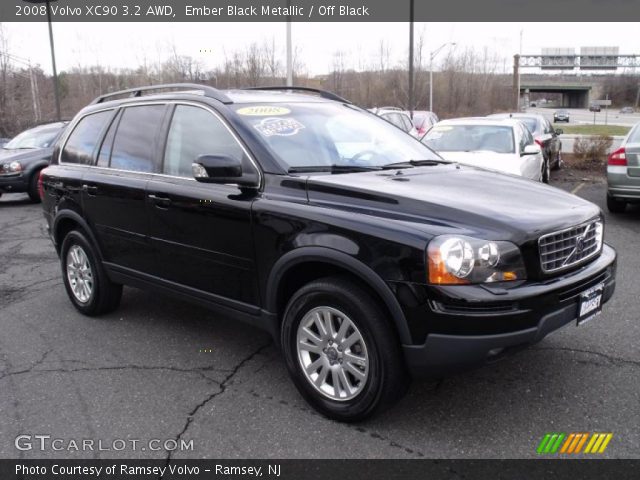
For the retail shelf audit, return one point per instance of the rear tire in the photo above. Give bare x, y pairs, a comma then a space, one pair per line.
32, 189
343, 379
84, 277
615, 205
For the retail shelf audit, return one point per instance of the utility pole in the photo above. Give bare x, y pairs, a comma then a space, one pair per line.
56, 87
411, 105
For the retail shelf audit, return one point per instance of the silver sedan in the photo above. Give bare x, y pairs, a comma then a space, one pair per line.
623, 173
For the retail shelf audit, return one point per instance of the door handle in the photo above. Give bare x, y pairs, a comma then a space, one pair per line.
91, 190
160, 201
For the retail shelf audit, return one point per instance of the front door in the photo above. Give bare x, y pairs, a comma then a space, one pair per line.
201, 232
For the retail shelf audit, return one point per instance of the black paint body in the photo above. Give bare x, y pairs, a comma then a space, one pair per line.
244, 251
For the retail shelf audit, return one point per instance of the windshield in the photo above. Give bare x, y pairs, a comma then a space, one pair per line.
41, 137
468, 138
304, 135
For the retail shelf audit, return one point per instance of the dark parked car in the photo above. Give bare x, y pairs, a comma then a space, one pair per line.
561, 116
23, 157
594, 107
367, 257
543, 133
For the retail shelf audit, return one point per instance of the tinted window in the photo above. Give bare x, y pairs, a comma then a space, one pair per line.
107, 144
82, 141
134, 145
195, 131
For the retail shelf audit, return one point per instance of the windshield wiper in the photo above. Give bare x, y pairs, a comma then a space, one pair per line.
335, 168
416, 163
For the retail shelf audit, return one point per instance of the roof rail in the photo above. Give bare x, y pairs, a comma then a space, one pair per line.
322, 93
137, 92
398, 109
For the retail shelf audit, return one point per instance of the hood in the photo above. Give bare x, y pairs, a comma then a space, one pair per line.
451, 198
501, 162
25, 156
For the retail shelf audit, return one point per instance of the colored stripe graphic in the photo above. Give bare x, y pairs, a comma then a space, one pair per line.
543, 443
573, 443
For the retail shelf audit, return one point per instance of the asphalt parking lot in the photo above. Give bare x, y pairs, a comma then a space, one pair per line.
159, 368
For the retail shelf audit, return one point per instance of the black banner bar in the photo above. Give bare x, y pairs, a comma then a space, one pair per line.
318, 469
318, 10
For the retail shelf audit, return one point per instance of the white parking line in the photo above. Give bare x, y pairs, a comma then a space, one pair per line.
577, 189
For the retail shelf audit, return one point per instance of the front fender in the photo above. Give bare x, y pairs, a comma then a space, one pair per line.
342, 260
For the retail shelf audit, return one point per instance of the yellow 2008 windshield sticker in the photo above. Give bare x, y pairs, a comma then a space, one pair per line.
263, 111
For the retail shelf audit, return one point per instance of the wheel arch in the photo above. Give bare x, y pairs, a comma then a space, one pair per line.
68, 220
318, 262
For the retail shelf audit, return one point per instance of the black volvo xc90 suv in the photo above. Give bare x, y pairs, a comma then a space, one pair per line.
367, 257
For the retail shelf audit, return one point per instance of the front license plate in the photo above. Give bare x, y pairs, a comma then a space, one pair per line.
590, 303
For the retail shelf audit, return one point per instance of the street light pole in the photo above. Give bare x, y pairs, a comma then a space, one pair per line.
432, 55
289, 49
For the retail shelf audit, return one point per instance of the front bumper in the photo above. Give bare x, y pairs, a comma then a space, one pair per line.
533, 309
12, 183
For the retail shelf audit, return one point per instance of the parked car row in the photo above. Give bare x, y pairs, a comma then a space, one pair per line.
378, 260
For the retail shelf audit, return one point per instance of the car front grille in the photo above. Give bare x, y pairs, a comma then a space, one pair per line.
569, 247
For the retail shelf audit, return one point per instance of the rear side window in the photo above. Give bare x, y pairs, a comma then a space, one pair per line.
135, 142
195, 131
107, 144
82, 142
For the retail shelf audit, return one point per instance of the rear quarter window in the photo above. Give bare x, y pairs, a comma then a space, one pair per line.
82, 142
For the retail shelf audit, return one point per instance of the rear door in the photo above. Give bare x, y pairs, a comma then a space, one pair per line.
201, 232
114, 195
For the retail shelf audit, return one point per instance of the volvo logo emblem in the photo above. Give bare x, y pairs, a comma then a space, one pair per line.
579, 245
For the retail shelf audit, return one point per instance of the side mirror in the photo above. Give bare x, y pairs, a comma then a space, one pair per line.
222, 169
559, 131
531, 150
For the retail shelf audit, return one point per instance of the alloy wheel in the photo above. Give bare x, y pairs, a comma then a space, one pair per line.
332, 353
79, 274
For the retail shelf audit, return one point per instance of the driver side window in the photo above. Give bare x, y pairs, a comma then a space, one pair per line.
195, 131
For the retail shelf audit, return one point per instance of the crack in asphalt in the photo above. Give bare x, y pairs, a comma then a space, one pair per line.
37, 363
390, 442
222, 388
610, 358
197, 370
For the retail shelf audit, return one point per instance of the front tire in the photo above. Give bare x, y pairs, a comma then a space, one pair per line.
32, 189
615, 205
84, 277
341, 352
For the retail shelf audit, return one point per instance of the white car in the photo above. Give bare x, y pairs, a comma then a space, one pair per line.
505, 146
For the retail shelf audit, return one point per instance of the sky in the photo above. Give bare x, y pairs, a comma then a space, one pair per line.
128, 44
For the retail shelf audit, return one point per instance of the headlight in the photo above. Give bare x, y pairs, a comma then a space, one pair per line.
456, 259
13, 167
